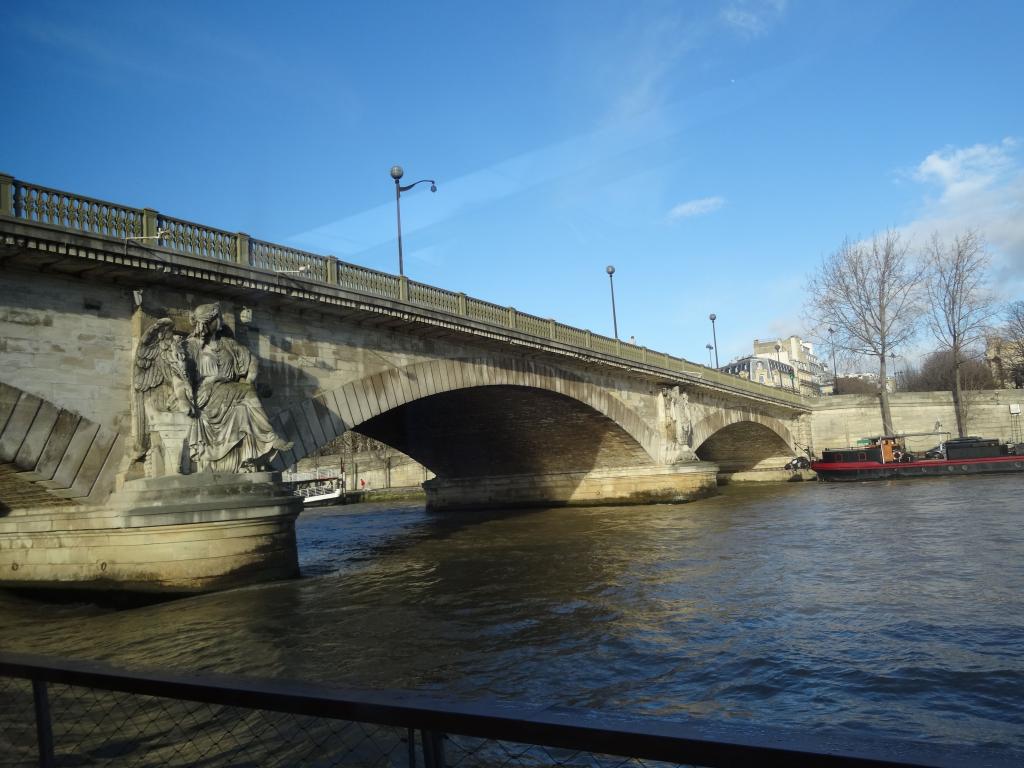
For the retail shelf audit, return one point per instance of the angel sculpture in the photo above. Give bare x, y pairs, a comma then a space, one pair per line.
160, 383
231, 432
209, 377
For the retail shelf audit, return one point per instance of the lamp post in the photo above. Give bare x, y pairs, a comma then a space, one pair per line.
778, 359
709, 348
712, 317
396, 174
895, 381
835, 372
611, 283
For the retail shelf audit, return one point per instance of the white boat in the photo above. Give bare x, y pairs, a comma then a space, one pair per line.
319, 494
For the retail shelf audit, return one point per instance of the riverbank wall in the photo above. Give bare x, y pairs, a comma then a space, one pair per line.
840, 420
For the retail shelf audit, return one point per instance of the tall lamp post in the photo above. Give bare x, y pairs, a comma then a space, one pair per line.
835, 371
895, 381
396, 174
709, 348
611, 283
714, 337
778, 359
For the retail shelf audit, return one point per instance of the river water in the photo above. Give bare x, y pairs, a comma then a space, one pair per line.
883, 609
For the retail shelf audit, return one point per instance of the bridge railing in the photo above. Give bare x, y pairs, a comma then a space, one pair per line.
31, 202
62, 712
67, 211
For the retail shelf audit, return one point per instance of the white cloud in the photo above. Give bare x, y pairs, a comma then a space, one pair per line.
636, 75
962, 173
979, 187
752, 17
698, 207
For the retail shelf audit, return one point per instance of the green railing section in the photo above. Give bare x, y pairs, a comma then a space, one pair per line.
31, 202
61, 209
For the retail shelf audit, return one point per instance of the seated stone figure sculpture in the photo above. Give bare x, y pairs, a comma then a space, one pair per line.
231, 432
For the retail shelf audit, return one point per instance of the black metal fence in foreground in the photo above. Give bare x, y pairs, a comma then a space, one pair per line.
57, 712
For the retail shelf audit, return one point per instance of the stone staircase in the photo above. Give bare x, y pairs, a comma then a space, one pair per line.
51, 456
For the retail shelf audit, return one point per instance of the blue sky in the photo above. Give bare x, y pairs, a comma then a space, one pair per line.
713, 152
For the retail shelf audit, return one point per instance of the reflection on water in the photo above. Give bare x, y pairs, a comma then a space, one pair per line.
887, 608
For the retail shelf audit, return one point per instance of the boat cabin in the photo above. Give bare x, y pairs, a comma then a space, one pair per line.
880, 450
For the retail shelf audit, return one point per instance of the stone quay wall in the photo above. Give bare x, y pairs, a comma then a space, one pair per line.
841, 420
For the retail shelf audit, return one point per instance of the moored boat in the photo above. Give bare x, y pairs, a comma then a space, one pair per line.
883, 458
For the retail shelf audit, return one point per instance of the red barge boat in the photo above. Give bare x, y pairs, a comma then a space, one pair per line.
885, 458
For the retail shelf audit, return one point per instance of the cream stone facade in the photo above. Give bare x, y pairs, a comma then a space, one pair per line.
810, 372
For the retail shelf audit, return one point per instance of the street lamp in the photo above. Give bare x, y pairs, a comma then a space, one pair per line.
835, 372
712, 317
709, 348
611, 283
778, 359
396, 174
895, 381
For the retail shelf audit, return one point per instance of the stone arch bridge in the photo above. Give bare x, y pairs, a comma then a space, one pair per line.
504, 408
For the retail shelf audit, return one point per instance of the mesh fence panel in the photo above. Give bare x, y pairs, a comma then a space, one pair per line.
468, 752
17, 723
103, 728
107, 728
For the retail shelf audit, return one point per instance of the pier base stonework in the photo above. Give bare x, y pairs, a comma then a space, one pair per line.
173, 534
613, 486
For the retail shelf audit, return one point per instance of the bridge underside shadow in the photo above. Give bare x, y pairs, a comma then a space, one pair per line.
745, 447
500, 445
504, 430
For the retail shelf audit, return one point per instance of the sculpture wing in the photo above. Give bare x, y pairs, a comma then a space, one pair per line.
148, 371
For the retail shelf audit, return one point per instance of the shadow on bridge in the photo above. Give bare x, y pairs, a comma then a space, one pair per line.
745, 446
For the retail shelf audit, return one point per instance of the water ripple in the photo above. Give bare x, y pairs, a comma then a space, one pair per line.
875, 609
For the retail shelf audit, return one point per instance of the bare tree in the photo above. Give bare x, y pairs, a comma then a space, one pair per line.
1009, 350
867, 292
960, 305
937, 373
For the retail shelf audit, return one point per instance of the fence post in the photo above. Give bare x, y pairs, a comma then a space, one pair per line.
332, 270
589, 339
410, 740
6, 195
403, 288
513, 321
242, 248
44, 728
551, 328
150, 222
433, 749
462, 304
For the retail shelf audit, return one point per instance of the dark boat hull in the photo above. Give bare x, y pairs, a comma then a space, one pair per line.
869, 470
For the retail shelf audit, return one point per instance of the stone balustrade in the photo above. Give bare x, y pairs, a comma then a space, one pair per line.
66, 211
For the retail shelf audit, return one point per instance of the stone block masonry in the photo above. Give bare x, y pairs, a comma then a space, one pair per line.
69, 343
840, 421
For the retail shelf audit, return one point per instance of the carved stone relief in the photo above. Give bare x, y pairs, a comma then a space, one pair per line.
678, 424
196, 407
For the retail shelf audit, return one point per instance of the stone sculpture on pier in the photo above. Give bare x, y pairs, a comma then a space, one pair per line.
196, 406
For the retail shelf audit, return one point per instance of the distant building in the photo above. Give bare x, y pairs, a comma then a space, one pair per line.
1006, 361
810, 372
763, 370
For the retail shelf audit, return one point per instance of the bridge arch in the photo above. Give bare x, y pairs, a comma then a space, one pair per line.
59, 456
384, 404
738, 440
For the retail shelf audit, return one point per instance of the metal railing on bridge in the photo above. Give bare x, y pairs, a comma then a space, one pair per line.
76, 213
60, 712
